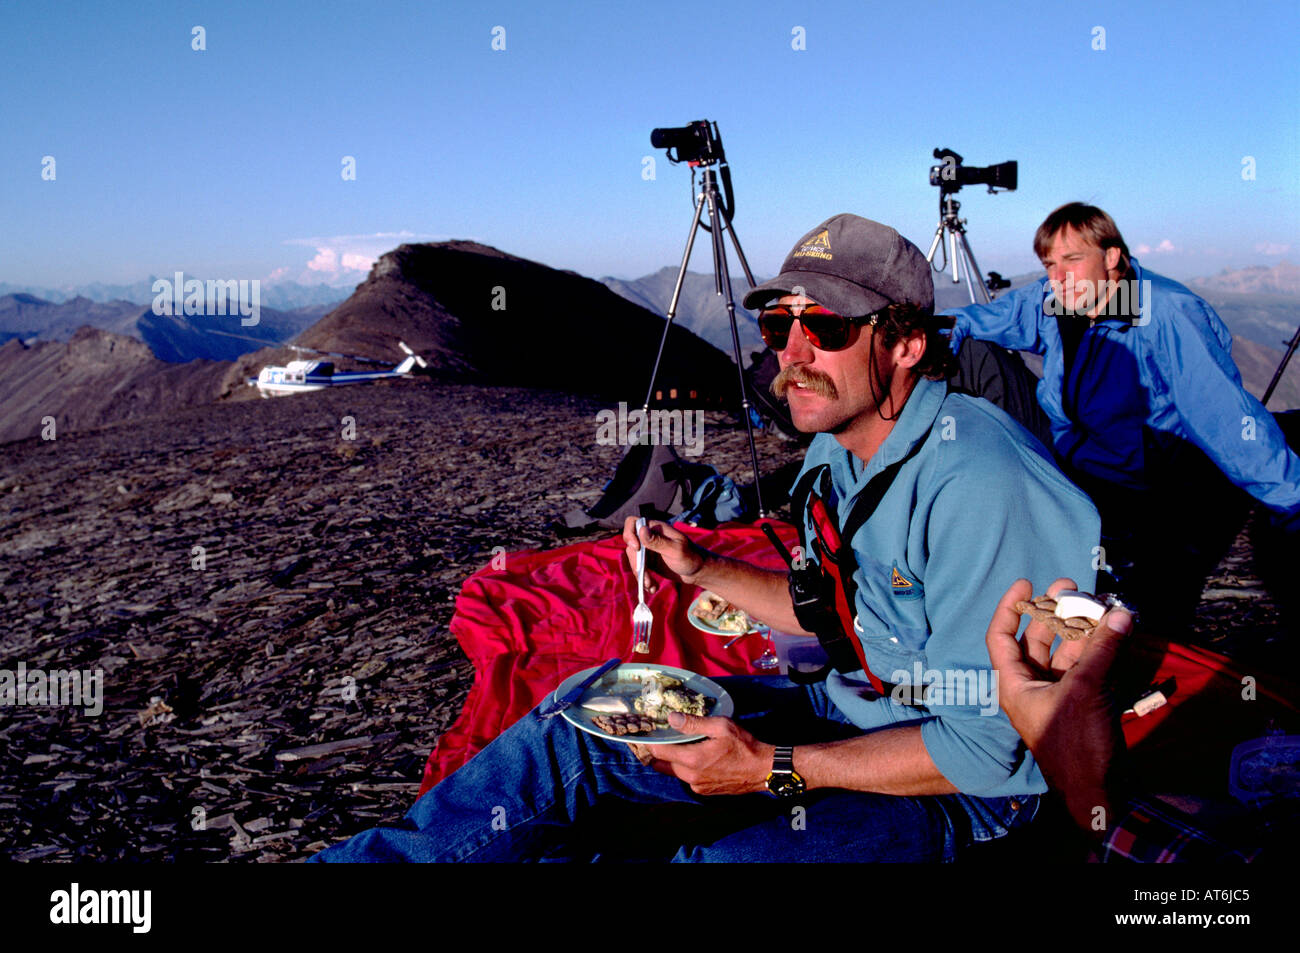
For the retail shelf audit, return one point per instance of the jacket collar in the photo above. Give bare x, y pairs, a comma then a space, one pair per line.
913, 426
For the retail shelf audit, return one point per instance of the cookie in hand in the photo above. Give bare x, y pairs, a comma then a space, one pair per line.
1071, 615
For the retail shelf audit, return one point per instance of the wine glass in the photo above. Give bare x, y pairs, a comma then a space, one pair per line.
768, 660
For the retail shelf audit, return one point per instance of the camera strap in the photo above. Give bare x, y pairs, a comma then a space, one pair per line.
824, 593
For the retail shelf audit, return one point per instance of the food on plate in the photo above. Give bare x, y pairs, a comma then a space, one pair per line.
661, 694
1044, 609
646, 712
608, 705
721, 614
625, 724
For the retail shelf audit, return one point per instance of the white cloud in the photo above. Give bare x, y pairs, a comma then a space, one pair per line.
352, 261
1165, 246
1272, 248
351, 256
326, 259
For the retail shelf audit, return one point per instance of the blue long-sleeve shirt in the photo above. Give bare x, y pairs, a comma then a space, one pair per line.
1170, 374
979, 506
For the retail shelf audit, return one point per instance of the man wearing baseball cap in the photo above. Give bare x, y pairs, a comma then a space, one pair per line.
901, 752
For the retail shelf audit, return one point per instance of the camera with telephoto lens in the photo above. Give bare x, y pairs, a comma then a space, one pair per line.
952, 175
695, 142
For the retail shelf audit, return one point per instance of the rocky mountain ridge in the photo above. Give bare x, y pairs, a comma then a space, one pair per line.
477, 314
480, 315
94, 378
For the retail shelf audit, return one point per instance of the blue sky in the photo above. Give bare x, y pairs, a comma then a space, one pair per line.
226, 162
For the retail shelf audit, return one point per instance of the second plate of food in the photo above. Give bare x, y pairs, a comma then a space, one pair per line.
712, 614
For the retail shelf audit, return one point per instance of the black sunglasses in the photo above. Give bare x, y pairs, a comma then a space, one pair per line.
825, 330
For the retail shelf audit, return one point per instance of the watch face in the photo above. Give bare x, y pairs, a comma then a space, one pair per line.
785, 785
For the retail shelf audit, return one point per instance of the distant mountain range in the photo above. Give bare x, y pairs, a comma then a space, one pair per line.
32, 318
479, 315
1269, 320
176, 339
699, 308
281, 295
1281, 279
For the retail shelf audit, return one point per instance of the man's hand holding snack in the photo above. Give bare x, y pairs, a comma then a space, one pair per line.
1061, 703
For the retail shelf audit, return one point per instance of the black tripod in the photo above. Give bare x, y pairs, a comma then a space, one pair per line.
720, 219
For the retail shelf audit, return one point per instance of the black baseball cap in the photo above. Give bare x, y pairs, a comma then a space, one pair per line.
854, 267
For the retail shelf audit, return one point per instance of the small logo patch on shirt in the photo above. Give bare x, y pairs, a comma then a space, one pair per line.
903, 587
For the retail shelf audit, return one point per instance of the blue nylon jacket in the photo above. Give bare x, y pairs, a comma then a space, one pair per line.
1170, 374
980, 505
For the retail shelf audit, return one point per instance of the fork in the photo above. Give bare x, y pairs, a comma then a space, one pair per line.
642, 617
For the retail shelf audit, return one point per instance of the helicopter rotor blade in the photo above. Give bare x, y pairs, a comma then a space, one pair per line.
352, 357
299, 347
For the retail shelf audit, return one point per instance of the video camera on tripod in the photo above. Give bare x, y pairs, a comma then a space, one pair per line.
952, 175
697, 143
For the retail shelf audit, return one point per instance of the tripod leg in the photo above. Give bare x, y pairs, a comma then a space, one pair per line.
677, 293
749, 275
934, 247
724, 282
1281, 368
966, 276
974, 269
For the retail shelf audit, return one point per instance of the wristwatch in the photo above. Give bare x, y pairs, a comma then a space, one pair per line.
783, 780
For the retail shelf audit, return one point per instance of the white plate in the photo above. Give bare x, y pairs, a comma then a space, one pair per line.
703, 626
625, 680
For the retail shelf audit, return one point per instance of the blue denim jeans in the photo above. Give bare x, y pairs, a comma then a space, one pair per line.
547, 791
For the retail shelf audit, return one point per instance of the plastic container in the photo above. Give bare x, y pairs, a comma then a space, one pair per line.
803, 652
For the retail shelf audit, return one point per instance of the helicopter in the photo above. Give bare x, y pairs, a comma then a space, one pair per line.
299, 377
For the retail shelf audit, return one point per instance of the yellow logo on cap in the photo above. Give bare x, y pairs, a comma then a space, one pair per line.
819, 246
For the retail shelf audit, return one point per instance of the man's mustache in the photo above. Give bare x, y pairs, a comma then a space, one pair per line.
815, 381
